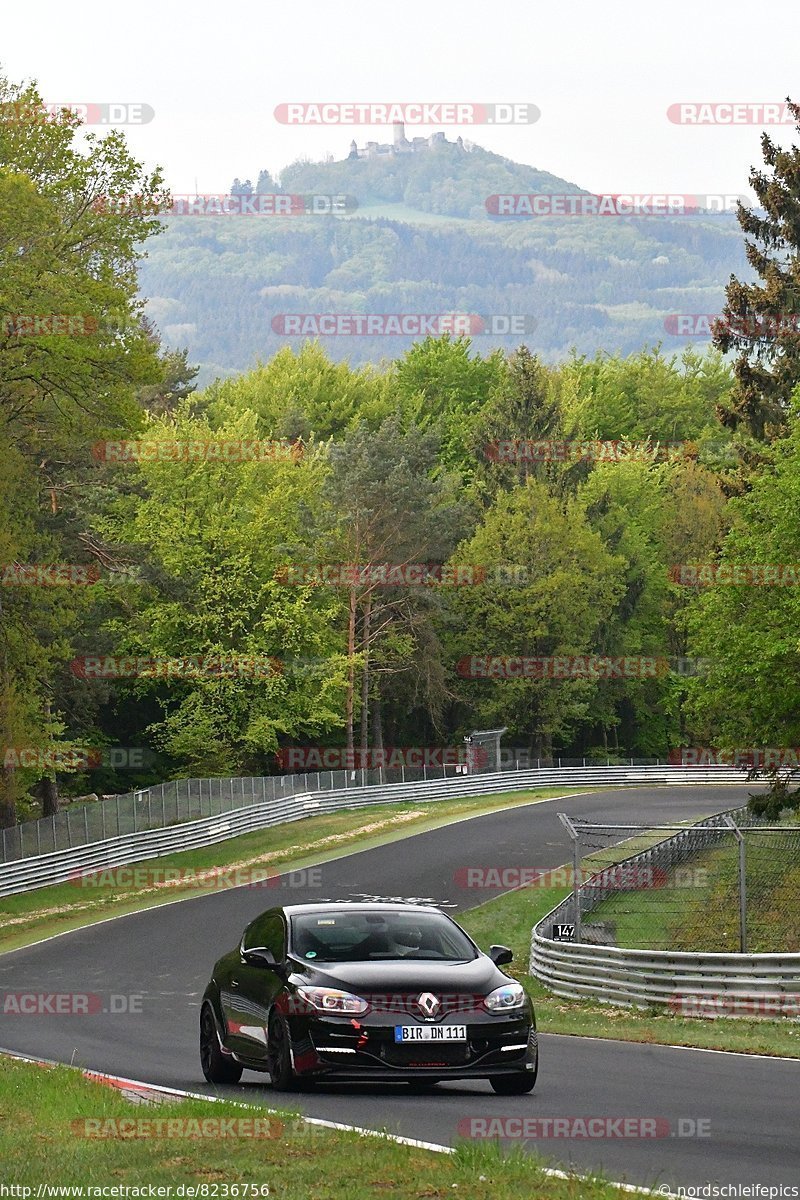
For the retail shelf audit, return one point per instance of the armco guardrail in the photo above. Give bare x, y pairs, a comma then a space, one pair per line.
691, 983
39, 870
182, 800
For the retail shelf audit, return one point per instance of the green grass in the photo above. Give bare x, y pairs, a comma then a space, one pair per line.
509, 919
30, 916
43, 1116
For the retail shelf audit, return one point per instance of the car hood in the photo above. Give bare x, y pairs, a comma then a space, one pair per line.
479, 976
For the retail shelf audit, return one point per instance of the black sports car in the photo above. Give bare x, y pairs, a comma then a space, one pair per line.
363, 991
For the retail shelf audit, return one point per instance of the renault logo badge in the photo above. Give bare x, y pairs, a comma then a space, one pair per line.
429, 1003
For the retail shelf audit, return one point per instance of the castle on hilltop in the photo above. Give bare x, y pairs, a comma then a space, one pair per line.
401, 144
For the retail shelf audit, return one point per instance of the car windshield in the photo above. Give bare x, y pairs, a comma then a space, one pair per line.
376, 937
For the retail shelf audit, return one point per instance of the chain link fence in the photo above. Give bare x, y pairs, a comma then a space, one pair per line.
190, 799
730, 884
183, 800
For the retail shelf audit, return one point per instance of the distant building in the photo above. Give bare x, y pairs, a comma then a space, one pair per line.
401, 145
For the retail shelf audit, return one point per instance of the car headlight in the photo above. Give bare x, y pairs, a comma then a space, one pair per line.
330, 1000
503, 999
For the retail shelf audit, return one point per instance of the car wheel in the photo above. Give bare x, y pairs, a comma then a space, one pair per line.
279, 1057
513, 1085
217, 1067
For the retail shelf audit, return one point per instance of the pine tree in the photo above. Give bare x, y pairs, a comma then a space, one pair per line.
761, 320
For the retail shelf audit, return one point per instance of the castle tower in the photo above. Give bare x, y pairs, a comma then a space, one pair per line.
399, 133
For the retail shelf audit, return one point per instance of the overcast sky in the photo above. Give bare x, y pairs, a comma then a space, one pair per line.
602, 74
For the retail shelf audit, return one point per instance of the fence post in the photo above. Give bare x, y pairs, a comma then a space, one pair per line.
85, 825
69, 832
742, 895
729, 821
576, 873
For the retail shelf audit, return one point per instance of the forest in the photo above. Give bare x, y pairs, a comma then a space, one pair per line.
198, 578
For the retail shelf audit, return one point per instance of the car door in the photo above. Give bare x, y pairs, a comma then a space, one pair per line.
252, 988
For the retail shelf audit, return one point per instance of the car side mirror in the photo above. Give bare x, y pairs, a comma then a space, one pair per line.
261, 956
500, 955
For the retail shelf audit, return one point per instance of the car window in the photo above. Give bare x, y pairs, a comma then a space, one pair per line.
267, 930
375, 937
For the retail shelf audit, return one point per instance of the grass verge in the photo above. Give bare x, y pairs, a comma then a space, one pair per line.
45, 1115
30, 916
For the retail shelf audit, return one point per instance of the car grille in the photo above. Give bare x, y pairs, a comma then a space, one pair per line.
434, 1054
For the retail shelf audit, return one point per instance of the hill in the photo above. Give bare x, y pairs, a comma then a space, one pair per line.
422, 242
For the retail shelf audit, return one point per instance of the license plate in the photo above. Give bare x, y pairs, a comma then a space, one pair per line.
430, 1033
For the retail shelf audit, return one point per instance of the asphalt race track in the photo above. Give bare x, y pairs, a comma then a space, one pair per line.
165, 955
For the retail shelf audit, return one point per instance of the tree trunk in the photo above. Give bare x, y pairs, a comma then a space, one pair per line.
48, 790
9, 788
8, 798
377, 727
351, 673
365, 633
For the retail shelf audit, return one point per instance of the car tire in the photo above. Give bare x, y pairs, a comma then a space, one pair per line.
279, 1057
217, 1067
513, 1085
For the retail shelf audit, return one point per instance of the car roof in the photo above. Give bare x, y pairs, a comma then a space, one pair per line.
363, 905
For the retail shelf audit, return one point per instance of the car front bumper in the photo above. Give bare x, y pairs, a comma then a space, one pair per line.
348, 1049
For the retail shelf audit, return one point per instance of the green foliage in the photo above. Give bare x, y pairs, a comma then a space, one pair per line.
751, 632
760, 319
571, 584
68, 251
